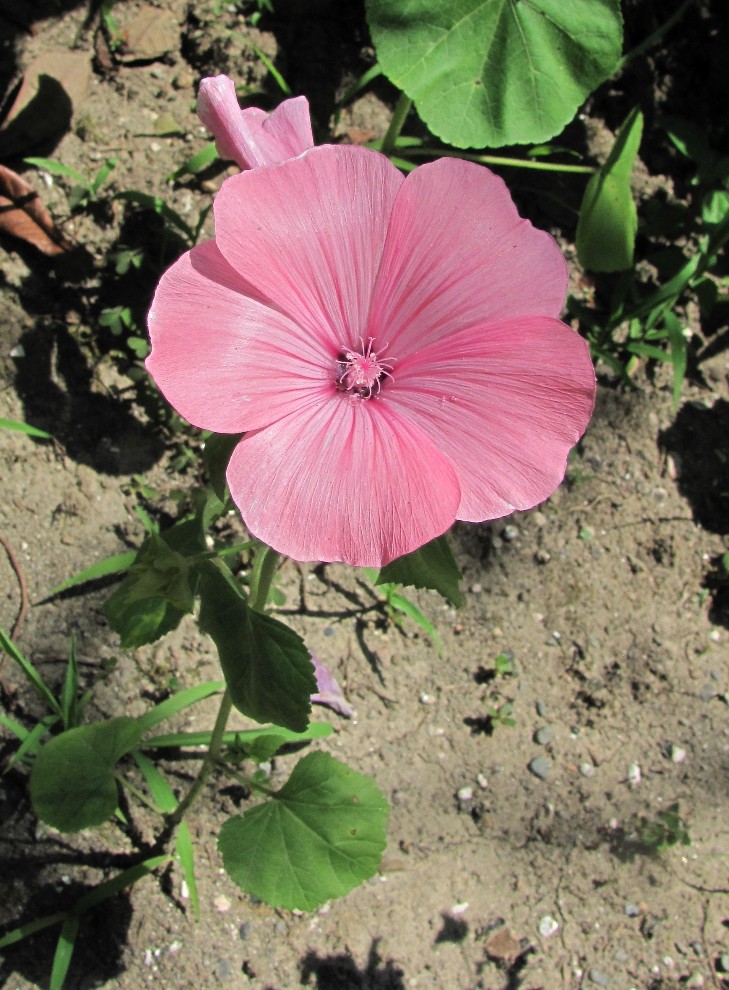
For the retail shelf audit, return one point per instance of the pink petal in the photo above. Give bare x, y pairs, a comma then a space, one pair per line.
342, 479
253, 138
457, 255
309, 234
329, 693
224, 360
504, 403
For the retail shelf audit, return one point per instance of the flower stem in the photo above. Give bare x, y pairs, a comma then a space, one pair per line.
211, 758
402, 109
264, 568
495, 160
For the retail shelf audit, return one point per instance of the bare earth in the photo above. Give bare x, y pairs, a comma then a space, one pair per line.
608, 597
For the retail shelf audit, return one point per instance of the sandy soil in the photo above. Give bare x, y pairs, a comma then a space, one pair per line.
608, 598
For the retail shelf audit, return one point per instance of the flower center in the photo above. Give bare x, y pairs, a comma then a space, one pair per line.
361, 373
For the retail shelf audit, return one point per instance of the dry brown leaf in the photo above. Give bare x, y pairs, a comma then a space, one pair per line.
23, 215
52, 86
504, 947
151, 34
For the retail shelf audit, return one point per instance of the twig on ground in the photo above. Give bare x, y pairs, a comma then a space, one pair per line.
23, 590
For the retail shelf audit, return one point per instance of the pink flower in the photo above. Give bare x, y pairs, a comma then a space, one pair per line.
251, 137
390, 347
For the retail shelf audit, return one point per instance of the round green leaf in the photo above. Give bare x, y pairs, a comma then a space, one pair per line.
318, 837
485, 73
72, 783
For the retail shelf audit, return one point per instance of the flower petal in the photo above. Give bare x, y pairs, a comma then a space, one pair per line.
343, 479
309, 234
504, 403
226, 361
252, 138
457, 255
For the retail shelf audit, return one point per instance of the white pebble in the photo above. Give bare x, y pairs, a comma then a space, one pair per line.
547, 926
634, 775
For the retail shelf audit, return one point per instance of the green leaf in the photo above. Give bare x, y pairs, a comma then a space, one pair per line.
72, 783
432, 566
57, 168
318, 837
485, 73
157, 591
402, 604
31, 431
196, 163
266, 665
608, 219
218, 450
186, 855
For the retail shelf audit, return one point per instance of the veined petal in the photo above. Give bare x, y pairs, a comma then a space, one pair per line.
252, 138
504, 403
309, 234
345, 480
457, 255
224, 360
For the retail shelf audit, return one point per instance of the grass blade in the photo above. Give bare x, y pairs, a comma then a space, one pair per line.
178, 702
31, 431
31, 743
37, 925
30, 672
64, 951
117, 564
186, 855
114, 886
160, 790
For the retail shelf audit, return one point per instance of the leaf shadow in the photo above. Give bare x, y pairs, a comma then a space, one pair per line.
340, 972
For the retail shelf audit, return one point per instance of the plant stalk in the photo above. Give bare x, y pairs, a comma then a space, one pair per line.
495, 160
402, 109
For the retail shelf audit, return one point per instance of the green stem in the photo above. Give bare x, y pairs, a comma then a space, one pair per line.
402, 109
496, 160
264, 567
211, 758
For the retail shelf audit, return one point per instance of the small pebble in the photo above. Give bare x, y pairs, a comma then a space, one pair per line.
695, 981
465, 794
547, 926
482, 781
510, 533
598, 977
715, 636
543, 556
244, 930
632, 910
724, 962
540, 767
476, 588
587, 769
621, 956
677, 754
541, 709
707, 692
427, 699
222, 903
545, 735
633, 774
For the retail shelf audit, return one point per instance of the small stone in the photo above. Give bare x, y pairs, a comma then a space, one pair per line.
598, 977
541, 709
426, 699
621, 956
723, 965
677, 754
244, 930
695, 981
510, 533
587, 769
547, 926
715, 636
545, 735
634, 775
542, 556
632, 910
222, 970
707, 693
476, 588
482, 781
465, 794
540, 767
222, 904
